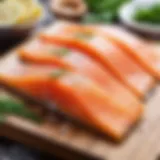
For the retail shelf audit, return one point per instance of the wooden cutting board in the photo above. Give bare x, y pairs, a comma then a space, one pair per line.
70, 142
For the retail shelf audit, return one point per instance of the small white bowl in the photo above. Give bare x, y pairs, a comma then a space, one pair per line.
126, 14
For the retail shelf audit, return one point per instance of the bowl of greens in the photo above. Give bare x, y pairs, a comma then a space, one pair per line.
142, 16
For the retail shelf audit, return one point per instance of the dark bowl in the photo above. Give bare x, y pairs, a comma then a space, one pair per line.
11, 33
10, 36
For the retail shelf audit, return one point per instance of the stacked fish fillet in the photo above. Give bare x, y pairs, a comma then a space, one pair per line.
98, 74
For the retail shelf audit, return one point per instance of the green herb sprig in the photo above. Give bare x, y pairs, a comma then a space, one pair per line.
57, 73
59, 52
9, 106
103, 10
83, 35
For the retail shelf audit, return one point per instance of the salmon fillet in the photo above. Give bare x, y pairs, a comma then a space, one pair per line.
93, 44
141, 51
44, 53
31, 79
76, 95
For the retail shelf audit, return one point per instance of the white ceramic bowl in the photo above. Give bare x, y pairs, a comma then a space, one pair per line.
126, 14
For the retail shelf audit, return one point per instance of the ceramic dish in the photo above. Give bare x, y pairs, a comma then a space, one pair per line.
126, 14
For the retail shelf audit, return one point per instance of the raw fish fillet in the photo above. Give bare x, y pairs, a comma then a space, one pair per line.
92, 43
143, 52
44, 53
76, 95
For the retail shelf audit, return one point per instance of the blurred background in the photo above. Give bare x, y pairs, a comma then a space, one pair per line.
21, 18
